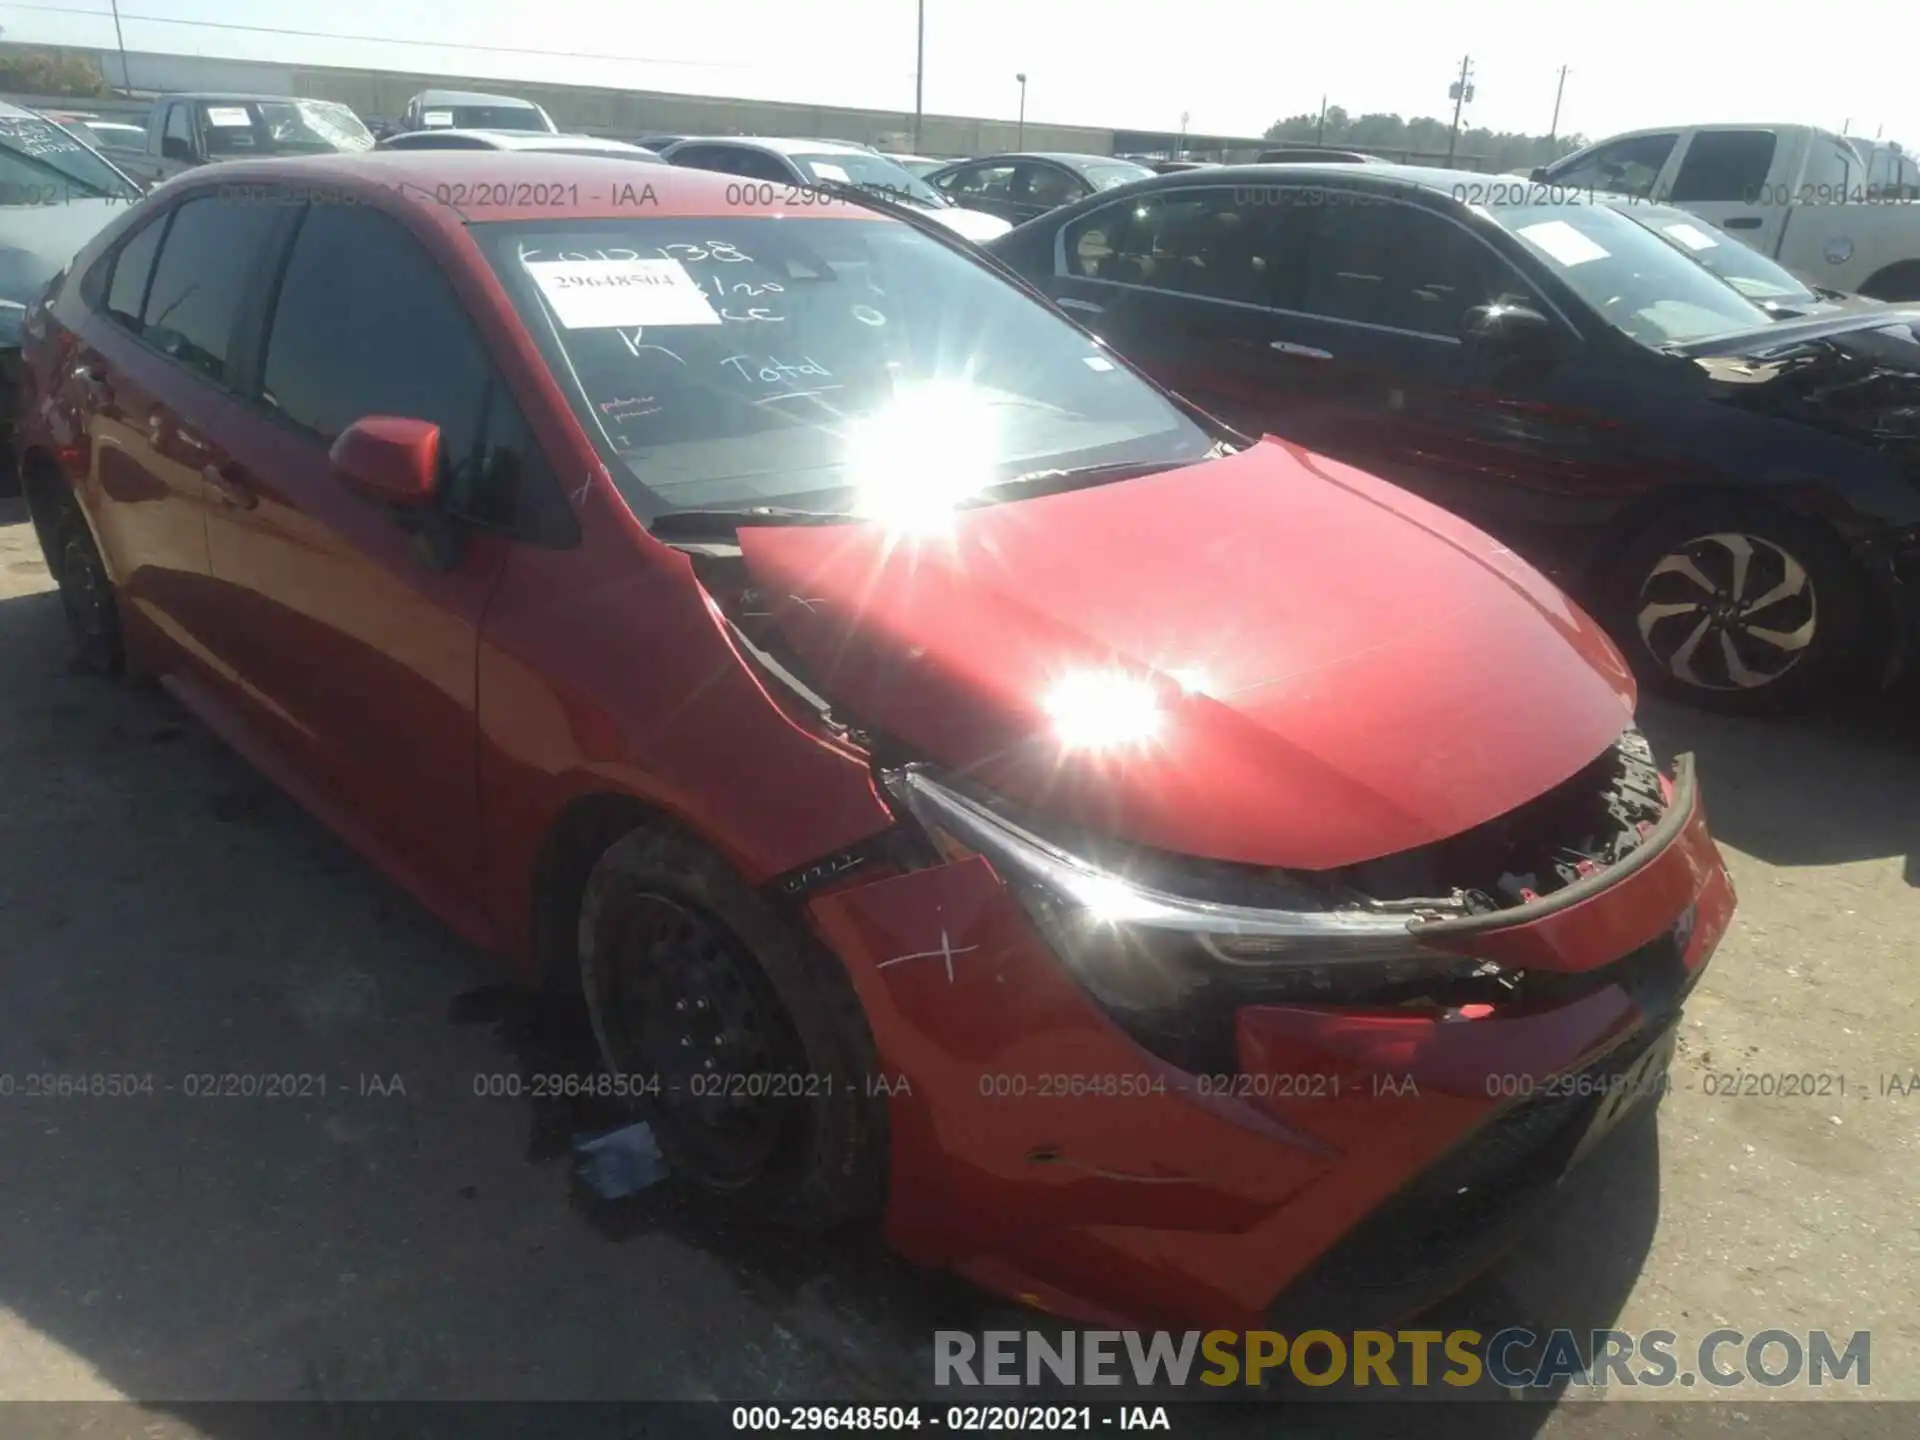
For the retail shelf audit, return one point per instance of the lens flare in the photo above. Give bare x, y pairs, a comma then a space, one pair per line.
1104, 710
931, 448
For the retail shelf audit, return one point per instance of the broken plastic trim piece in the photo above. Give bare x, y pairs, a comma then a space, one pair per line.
1680, 808
1276, 938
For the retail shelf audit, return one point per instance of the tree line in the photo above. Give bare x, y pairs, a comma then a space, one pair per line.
1496, 150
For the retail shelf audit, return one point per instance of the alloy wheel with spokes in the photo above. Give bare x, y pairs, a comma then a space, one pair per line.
1728, 610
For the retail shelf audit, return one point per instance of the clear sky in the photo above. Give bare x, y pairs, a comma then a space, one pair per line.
1235, 67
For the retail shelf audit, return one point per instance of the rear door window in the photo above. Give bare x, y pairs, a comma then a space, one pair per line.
1198, 242
132, 269
1395, 265
1730, 165
212, 250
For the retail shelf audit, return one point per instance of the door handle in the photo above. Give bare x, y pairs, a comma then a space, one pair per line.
1305, 352
92, 379
229, 481
1742, 222
1086, 305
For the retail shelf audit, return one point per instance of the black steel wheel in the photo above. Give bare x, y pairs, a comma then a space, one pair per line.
744, 1035
86, 594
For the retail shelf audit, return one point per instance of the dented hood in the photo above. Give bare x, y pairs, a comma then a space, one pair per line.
1341, 670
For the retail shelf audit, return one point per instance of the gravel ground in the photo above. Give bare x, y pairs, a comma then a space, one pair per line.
163, 912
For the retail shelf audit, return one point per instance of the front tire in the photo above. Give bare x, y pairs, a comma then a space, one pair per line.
1737, 608
760, 1047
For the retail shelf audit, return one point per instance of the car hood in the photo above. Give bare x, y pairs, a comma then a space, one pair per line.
37, 241
1340, 670
1856, 374
975, 225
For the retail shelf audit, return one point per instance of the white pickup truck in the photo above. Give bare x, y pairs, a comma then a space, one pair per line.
1806, 197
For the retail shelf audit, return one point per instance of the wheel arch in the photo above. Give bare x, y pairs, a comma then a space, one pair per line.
1898, 281
586, 828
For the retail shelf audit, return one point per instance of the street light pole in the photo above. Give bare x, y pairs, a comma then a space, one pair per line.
125, 83
1020, 134
1553, 130
919, 73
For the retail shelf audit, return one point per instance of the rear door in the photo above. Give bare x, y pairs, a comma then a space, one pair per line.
154, 375
1734, 178
1183, 282
359, 632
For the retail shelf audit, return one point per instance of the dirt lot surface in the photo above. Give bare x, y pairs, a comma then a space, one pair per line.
164, 913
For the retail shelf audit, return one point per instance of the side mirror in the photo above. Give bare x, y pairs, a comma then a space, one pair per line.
388, 458
1539, 174
1516, 332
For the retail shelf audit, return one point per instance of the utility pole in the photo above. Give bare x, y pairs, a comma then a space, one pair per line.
1020, 135
1460, 92
126, 85
1558, 90
919, 73
1181, 153
1320, 135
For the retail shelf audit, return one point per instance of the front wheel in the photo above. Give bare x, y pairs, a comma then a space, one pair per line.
746, 1033
1737, 609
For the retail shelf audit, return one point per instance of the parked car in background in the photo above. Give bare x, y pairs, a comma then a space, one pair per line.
1796, 193
1175, 167
1767, 283
1738, 496
1315, 155
926, 699
828, 162
525, 140
917, 165
472, 110
1018, 187
189, 130
658, 143
56, 193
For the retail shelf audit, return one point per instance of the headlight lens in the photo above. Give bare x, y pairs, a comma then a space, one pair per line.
1137, 945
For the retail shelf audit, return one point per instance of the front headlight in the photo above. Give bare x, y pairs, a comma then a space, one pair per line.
1142, 948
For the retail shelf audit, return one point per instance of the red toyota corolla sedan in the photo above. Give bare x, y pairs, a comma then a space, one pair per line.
1168, 877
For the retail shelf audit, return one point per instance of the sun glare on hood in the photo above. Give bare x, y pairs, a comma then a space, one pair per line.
932, 447
1103, 710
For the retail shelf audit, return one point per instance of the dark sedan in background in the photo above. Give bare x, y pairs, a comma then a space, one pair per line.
1020, 187
1737, 494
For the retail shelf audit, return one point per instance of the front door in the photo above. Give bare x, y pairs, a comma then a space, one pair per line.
359, 632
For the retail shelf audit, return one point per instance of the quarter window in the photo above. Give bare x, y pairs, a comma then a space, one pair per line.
132, 269
213, 248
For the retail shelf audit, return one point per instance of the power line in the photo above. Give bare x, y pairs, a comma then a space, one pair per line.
387, 40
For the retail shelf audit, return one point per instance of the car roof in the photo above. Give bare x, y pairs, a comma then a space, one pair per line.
786, 144
593, 186
1063, 157
470, 97
238, 97
525, 140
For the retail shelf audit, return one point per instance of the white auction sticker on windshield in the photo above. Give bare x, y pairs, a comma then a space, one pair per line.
1692, 236
1564, 243
437, 117
600, 294
228, 117
823, 171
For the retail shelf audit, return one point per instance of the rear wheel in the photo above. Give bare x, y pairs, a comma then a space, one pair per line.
755, 1035
86, 594
1737, 608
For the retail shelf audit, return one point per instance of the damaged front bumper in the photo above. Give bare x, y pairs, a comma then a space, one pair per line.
1046, 1152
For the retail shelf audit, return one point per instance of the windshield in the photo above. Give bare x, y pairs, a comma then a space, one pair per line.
42, 164
844, 364
281, 127
1741, 266
1105, 174
486, 117
1639, 282
887, 178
